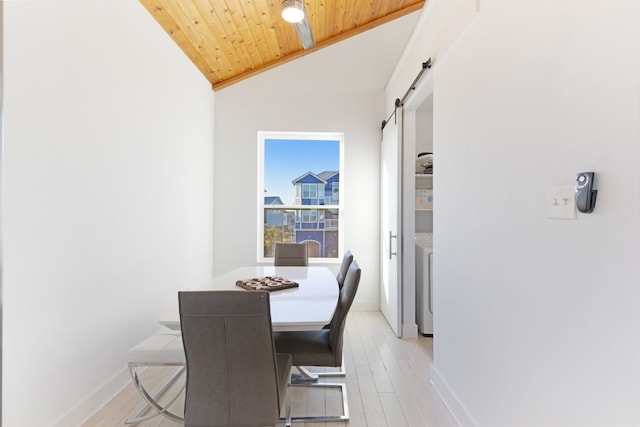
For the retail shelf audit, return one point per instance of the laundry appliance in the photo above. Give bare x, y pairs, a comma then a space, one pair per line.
424, 283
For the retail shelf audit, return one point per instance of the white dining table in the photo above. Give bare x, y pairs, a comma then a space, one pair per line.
307, 307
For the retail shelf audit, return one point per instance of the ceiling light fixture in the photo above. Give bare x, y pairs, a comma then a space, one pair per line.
293, 11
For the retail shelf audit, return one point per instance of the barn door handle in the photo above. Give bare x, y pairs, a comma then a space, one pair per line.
391, 237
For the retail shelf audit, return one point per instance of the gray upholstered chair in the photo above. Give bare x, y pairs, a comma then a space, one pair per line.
344, 267
323, 347
291, 254
234, 375
342, 274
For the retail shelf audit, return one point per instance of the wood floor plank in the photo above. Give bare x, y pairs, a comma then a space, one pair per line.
298, 401
374, 414
316, 404
392, 410
357, 416
372, 355
358, 354
409, 372
408, 395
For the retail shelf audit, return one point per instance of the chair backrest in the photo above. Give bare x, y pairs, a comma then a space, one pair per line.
232, 374
344, 267
345, 299
291, 254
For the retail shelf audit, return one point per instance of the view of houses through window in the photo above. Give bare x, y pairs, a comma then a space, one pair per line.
300, 186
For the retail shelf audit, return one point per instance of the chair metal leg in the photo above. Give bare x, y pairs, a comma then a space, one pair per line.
304, 376
340, 373
312, 377
151, 401
326, 418
287, 419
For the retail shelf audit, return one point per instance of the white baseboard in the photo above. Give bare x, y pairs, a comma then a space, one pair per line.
95, 401
450, 399
410, 331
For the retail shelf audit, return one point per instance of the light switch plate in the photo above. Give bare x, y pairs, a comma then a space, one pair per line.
561, 202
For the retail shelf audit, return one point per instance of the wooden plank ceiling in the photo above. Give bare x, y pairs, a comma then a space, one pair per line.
230, 40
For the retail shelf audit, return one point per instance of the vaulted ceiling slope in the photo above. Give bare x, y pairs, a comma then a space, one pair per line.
231, 40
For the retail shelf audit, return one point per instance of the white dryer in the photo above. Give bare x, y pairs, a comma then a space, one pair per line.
424, 280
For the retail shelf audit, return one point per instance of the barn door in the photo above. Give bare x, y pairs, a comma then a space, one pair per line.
390, 225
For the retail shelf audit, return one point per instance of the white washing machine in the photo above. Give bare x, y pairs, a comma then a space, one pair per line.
424, 280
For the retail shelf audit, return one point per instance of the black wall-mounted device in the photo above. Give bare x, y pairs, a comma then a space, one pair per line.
585, 194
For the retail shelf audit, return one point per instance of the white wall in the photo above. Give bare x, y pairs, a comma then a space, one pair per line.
536, 319
337, 89
424, 128
107, 210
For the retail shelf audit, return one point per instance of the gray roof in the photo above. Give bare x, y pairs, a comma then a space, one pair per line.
327, 174
273, 200
322, 176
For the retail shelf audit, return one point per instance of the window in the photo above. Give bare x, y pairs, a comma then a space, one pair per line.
309, 216
309, 191
298, 192
335, 191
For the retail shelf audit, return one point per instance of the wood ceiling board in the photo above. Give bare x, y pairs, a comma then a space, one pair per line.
244, 17
317, 13
269, 33
230, 40
213, 40
216, 16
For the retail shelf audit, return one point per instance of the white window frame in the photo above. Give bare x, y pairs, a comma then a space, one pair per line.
311, 189
317, 136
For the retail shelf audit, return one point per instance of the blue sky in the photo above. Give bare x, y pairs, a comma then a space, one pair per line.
286, 160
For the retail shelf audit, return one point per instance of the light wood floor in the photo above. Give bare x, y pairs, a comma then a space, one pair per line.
387, 384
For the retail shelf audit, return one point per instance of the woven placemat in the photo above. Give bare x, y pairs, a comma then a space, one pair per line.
267, 283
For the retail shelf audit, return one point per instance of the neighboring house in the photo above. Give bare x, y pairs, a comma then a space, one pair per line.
278, 224
318, 228
274, 218
278, 217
